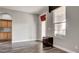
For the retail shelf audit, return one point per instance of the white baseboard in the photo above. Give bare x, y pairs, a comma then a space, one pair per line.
57, 46
22, 41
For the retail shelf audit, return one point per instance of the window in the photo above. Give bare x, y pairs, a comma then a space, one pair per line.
59, 21
60, 28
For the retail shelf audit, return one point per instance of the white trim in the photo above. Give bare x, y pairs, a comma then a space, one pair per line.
39, 40
22, 41
57, 46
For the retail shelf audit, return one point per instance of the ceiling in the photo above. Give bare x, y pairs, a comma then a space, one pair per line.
28, 9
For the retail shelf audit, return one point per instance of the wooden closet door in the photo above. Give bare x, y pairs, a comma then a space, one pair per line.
0, 24
3, 36
9, 33
4, 24
9, 24
9, 36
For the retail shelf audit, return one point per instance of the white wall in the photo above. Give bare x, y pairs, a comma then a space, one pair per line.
70, 42
49, 25
25, 28
24, 25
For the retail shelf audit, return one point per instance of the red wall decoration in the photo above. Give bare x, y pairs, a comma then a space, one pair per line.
43, 17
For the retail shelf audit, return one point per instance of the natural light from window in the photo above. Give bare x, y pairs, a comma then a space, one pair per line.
59, 21
44, 29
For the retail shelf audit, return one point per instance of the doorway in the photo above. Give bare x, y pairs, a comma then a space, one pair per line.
5, 32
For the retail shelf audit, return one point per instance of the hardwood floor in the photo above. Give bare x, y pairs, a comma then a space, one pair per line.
5, 46
27, 47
